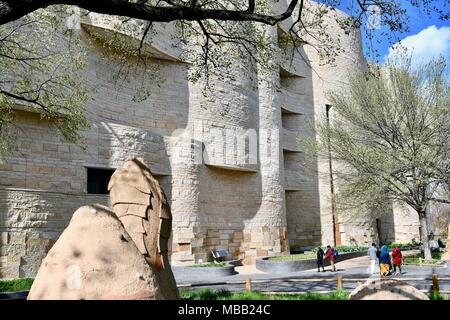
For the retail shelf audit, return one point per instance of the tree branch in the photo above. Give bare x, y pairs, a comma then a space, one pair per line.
14, 9
439, 200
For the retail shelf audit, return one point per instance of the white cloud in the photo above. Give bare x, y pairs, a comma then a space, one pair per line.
427, 44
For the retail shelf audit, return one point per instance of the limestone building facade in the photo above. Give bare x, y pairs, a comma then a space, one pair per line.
266, 204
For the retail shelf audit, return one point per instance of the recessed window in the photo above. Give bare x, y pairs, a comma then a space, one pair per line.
98, 179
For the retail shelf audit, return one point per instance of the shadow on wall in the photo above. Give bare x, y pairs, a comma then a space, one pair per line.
231, 199
226, 200
301, 178
228, 197
142, 128
129, 129
385, 226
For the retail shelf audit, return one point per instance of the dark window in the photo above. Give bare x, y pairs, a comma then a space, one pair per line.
98, 179
379, 230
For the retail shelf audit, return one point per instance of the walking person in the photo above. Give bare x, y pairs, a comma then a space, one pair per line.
330, 255
372, 253
385, 261
320, 254
397, 260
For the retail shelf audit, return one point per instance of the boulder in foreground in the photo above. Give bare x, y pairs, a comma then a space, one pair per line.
386, 289
95, 258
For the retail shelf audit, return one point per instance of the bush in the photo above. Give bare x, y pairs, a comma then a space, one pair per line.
347, 249
16, 285
434, 296
403, 245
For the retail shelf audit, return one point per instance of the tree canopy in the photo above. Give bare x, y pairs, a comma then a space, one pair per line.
389, 138
41, 59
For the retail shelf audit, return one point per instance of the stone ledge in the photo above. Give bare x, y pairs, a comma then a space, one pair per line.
19, 295
232, 167
49, 191
189, 273
107, 29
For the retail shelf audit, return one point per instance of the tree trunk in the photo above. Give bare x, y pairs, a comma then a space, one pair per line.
424, 235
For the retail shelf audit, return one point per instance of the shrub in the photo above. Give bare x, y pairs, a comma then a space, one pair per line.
16, 285
436, 296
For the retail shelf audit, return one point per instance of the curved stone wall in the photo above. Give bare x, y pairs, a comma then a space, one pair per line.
254, 199
332, 77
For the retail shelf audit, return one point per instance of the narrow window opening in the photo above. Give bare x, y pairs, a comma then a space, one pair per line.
98, 179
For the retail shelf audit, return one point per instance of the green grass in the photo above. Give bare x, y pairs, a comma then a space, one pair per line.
416, 259
210, 294
293, 257
312, 254
346, 249
209, 265
434, 296
16, 285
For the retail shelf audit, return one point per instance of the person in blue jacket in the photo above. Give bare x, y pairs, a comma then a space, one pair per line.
385, 261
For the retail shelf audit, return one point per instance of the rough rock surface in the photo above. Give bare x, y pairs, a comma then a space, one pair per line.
386, 289
95, 258
140, 203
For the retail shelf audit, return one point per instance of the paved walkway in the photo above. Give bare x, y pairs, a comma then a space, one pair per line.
354, 271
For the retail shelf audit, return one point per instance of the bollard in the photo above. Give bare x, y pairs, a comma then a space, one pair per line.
248, 285
435, 284
339, 282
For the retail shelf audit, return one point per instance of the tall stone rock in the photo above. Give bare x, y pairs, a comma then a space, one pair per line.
141, 205
95, 258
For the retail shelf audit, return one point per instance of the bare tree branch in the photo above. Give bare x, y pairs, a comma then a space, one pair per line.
14, 9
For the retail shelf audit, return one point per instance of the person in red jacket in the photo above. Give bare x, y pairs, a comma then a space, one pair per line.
397, 259
330, 255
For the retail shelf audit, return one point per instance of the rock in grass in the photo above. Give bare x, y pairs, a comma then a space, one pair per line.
386, 289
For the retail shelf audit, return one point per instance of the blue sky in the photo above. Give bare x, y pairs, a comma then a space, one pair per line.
428, 37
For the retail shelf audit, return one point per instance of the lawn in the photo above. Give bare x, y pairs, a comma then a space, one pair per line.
16, 285
419, 259
292, 257
313, 254
210, 294
209, 265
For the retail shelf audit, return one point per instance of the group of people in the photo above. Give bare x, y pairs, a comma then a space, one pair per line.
322, 255
387, 265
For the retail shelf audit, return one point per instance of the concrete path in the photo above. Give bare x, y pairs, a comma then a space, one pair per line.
353, 271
